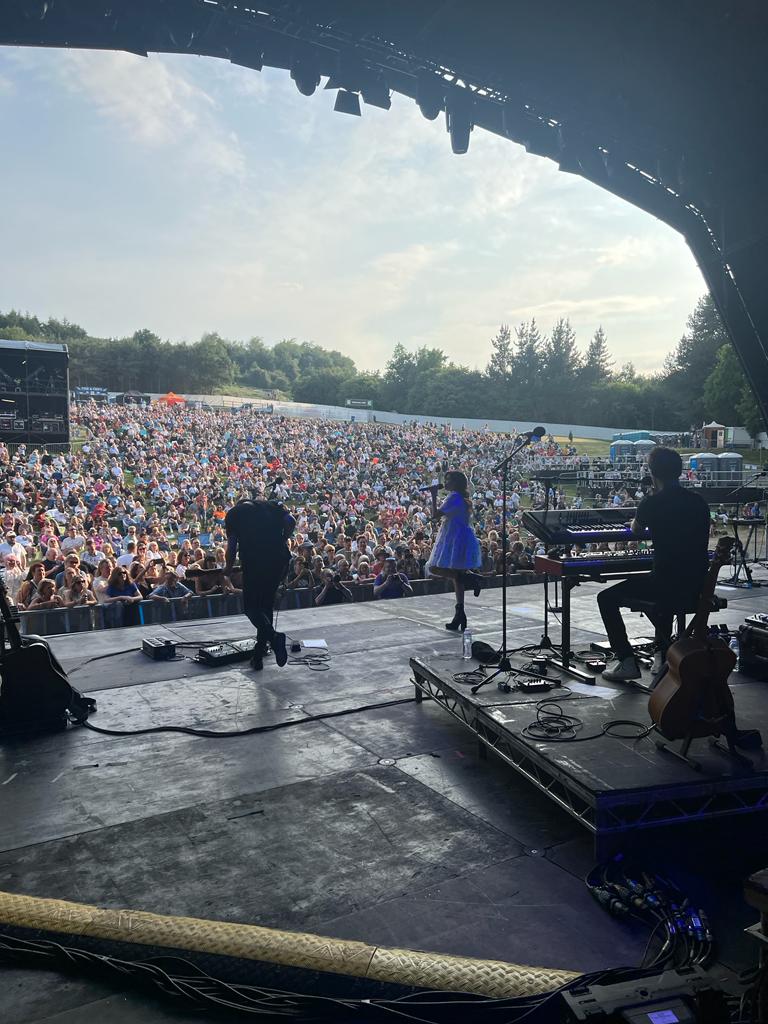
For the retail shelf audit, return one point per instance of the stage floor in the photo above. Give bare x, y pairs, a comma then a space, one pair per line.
383, 825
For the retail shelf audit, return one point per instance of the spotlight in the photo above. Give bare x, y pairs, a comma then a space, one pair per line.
305, 72
459, 114
247, 52
347, 102
430, 94
375, 92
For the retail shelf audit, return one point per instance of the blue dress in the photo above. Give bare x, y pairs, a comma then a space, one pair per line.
456, 546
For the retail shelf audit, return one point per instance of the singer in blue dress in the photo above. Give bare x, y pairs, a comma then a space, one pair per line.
456, 551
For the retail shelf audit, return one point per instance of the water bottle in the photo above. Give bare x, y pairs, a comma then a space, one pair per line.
734, 645
466, 645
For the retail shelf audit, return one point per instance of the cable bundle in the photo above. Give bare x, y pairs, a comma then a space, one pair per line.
186, 983
679, 931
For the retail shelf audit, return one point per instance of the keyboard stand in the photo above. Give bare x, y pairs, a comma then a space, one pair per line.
740, 560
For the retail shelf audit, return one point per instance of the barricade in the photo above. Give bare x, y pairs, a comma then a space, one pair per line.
55, 621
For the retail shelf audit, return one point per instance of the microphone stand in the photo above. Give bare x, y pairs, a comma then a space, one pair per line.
504, 663
739, 554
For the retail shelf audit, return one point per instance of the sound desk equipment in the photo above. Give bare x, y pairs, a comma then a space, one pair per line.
227, 652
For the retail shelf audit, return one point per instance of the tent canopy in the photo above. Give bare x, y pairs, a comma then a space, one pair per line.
172, 399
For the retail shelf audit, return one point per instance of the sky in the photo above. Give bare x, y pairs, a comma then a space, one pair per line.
186, 194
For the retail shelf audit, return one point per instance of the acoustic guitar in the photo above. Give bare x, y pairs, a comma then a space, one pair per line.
35, 693
692, 700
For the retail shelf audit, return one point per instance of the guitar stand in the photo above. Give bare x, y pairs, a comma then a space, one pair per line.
750, 739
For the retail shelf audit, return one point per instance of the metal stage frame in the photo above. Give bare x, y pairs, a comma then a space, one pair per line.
606, 813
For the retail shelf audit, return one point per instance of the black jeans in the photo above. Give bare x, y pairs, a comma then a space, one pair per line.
260, 583
641, 588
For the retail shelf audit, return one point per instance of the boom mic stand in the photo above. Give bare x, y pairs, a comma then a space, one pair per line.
504, 663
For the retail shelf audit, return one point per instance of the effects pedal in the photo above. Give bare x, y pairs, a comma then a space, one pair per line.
534, 686
227, 652
159, 648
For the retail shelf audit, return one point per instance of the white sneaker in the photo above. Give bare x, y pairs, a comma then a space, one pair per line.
623, 671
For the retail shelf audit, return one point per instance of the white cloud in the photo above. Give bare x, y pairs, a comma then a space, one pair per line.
153, 105
628, 251
352, 232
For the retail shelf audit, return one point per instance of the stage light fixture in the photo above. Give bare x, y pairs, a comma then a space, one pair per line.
375, 92
347, 102
430, 94
247, 52
305, 71
459, 118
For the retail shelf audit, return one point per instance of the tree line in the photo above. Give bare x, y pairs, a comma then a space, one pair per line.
530, 375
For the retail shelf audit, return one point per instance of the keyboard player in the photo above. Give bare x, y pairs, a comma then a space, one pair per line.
678, 521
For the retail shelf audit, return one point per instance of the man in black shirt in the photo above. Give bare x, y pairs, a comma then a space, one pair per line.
259, 530
679, 523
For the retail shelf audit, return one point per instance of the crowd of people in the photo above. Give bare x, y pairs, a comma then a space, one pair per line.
137, 509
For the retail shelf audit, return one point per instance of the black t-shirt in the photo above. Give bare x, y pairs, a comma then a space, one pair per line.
261, 528
679, 522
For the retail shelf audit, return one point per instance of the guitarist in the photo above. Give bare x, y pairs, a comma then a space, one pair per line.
678, 521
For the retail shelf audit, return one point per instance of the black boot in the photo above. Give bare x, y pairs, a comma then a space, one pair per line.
476, 581
459, 620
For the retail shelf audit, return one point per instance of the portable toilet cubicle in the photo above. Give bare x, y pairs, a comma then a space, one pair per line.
633, 435
643, 448
706, 466
730, 468
620, 451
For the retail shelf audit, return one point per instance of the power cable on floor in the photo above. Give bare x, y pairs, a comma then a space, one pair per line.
210, 734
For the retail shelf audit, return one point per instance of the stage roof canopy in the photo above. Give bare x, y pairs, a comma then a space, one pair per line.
662, 103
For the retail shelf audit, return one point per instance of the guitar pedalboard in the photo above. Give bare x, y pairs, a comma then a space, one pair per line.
159, 648
227, 652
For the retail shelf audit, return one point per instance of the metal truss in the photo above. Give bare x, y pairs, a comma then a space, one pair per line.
430, 686
603, 814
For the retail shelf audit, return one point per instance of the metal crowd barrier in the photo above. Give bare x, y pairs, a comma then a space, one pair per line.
55, 621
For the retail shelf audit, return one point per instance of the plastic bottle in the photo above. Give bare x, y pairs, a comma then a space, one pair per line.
466, 645
735, 646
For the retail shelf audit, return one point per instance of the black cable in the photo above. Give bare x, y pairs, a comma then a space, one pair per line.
209, 734
553, 725
183, 980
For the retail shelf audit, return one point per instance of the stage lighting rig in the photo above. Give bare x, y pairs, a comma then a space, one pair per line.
305, 71
376, 93
430, 93
459, 118
347, 102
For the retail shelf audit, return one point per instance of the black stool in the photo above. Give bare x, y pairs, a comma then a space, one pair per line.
651, 608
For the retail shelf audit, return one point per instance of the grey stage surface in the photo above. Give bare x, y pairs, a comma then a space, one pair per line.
310, 827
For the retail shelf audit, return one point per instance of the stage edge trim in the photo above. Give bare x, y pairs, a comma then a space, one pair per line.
492, 978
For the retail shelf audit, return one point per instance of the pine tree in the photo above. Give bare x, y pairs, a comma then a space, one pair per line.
598, 364
561, 357
528, 360
500, 364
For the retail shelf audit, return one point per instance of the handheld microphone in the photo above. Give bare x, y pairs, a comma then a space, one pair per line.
433, 488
